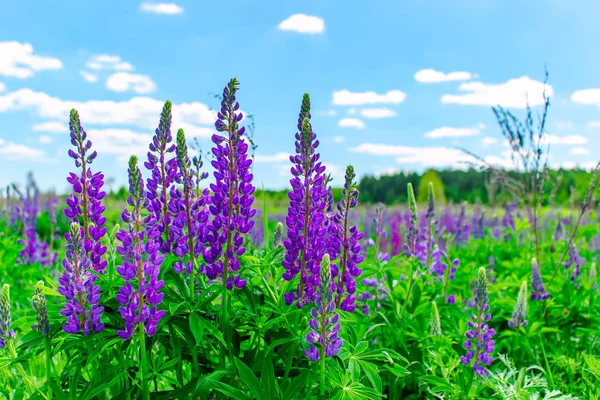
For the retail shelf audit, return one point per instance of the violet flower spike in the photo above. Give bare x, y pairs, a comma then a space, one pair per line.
233, 194
163, 170
324, 322
5, 319
85, 204
349, 243
479, 343
77, 285
305, 221
538, 291
41, 311
140, 295
520, 314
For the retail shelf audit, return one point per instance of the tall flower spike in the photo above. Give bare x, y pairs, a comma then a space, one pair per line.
435, 327
41, 312
199, 175
539, 291
163, 171
479, 343
190, 215
520, 314
77, 285
233, 194
85, 204
430, 202
5, 320
347, 244
139, 296
305, 221
325, 327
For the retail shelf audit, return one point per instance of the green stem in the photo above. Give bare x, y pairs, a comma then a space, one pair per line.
144, 366
49, 364
548, 371
322, 370
19, 367
410, 284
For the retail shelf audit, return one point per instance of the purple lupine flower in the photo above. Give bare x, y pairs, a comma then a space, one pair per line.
395, 235
85, 204
189, 213
233, 194
139, 296
520, 314
574, 261
41, 312
199, 175
305, 221
413, 229
479, 343
5, 319
324, 324
77, 285
164, 170
347, 238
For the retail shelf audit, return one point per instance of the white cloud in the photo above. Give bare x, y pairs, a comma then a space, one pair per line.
51, 126
329, 113
513, 93
88, 76
2, 87
17, 60
351, 123
593, 124
377, 113
580, 151
587, 165
488, 141
566, 140
564, 125
124, 81
448, 132
14, 151
424, 156
108, 62
142, 112
347, 98
432, 76
161, 8
338, 139
303, 23
45, 139
278, 157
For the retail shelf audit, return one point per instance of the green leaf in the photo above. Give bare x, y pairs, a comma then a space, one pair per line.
267, 379
440, 384
230, 391
295, 386
196, 326
372, 374
250, 379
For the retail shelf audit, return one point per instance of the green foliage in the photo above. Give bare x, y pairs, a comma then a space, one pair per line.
432, 177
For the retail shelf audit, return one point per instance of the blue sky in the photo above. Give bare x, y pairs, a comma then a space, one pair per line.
394, 85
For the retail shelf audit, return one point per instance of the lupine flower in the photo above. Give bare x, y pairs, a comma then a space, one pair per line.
479, 343
5, 320
305, 221
85, 204
41, 312
574, 261
77, 285
413, 230
233, 194
188, 230
199, 175
278, 234
139, 296
435, 327
520, 314
324, 324
395, 235
539, 291
163, 172
347, 240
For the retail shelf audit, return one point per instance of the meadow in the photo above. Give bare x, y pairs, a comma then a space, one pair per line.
197, 287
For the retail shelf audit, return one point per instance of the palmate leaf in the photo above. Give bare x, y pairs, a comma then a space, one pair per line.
250, 380
355, 391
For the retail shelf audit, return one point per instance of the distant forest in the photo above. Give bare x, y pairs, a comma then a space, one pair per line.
562, 188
